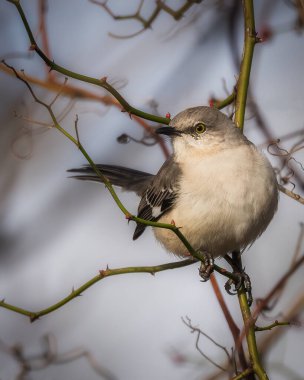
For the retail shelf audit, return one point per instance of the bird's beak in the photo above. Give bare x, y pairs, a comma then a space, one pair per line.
169, 131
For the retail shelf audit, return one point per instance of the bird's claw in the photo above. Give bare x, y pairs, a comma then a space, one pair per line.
228, 287
207, 266
241, 278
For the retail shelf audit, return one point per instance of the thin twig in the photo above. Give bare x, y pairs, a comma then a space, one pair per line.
270, 327
81, 93
291, 194
199, 332
146, 22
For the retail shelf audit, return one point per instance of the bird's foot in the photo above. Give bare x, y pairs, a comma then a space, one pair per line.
240, 279
207, 266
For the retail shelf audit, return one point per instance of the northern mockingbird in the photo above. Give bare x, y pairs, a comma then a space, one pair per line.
216, 185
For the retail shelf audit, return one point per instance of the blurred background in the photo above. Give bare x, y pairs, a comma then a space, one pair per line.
56, 233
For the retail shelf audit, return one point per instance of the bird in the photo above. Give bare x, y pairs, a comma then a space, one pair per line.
217, 187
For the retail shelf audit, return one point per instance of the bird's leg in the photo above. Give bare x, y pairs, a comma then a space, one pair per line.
207, 266
242, 277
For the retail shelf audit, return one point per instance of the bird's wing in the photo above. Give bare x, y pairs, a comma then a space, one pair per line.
128, 179
159, 196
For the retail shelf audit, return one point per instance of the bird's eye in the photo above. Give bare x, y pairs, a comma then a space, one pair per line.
200, 128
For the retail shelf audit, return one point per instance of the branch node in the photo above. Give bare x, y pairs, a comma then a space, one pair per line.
129, 217
34, 317
102, 272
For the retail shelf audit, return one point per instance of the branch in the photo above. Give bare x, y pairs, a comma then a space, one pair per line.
219, 104
270, 327
196, 254
48, 356
240, 105
176, 230
278, 286
81, 93
235, 331
84, 78
250, 40
147, 22
199, 332
292, 314
33, 315
243, 375
250, 336
291, 194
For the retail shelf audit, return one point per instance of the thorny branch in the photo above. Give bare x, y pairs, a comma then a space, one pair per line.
103, 82
76, 92
146, 23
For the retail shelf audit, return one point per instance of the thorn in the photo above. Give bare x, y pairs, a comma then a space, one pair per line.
168, 115
153, 274
130, 115
211, 102
173, 222
51, 66
128, 217
104, 79
108, 267
32, 47
266, 34
33, 318
178, 358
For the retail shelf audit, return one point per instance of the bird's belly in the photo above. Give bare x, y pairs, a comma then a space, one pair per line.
224, 209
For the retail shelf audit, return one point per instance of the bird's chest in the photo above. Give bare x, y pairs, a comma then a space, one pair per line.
225, 201
231, 185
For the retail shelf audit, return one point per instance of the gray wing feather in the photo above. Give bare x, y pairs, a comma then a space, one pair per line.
158, 192
160, 195
128, 179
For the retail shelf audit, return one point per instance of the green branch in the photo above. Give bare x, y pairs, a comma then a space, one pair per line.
219, 104
250, 336
107, 183
240, 106
33, 315
270, 327
243, 375
243, 81
84, 78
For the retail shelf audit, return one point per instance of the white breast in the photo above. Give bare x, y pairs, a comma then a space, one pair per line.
226, 200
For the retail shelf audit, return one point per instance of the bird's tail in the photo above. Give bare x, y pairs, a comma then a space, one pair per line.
128, 179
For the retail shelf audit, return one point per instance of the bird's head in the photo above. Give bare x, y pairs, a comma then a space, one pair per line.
202, 128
